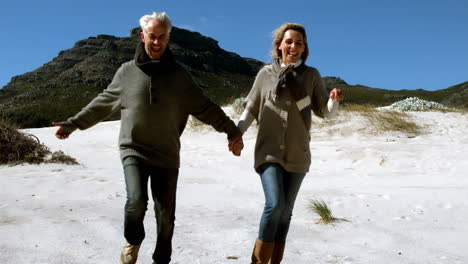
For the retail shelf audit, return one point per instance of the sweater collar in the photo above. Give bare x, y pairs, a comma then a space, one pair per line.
296, 64
150, 66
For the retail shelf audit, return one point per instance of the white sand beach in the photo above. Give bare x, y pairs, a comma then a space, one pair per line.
405, 198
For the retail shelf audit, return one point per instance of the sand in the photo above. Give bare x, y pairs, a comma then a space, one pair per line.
404, 198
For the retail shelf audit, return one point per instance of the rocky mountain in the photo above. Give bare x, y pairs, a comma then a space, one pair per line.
64, 85
61, 87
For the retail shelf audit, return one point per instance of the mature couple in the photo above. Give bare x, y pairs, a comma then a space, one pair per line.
155, 96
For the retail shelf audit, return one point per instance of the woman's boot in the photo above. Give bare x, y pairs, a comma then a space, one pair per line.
262, 252
278, 251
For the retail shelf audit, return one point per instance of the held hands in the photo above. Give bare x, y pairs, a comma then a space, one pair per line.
236, 145
64, 130
337, 95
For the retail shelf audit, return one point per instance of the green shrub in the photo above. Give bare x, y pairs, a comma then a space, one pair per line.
17, 147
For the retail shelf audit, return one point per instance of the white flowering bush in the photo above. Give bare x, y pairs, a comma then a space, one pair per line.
238, 106
416, 104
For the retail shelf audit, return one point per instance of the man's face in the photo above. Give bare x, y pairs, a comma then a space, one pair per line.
155, 38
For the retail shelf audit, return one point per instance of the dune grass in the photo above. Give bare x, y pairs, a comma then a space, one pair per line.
60, 157
321, 208
195, 124
237, 106
461, 110
385, 120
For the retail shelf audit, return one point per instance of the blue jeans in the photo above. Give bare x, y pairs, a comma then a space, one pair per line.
280, 188
163, 189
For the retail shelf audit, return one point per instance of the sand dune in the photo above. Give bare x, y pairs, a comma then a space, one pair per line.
404, 197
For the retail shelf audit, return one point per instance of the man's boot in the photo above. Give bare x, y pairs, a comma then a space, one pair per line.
278, 252
262, 252
129, 254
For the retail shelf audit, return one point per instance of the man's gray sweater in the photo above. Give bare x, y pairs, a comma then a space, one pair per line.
151, 124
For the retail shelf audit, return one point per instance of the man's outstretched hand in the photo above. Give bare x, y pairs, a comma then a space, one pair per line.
64, 130
236, 145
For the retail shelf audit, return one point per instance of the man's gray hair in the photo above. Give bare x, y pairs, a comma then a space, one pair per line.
161, 17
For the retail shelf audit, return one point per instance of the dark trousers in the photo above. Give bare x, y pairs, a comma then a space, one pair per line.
280, 188
163, 188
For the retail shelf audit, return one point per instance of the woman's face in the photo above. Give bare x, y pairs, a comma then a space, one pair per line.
292, 46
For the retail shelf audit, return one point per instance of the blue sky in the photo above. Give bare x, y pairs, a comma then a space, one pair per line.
390, 44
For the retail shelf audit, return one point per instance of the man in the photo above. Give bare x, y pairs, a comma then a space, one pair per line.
155, 96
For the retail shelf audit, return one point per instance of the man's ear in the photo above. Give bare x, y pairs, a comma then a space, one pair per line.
142, 36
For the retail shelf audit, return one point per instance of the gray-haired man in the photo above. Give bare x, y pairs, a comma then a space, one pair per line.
155, 96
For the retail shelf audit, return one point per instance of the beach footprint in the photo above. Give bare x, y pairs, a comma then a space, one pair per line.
361, 196
418, 210
333, 259
385, 197
446, 206
402, 218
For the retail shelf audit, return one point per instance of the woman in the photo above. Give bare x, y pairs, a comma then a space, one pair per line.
282, 99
